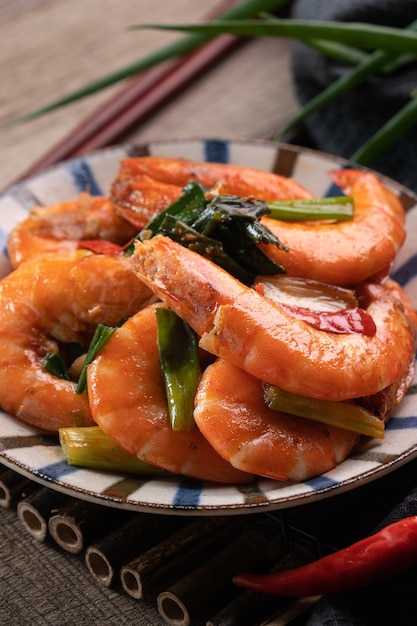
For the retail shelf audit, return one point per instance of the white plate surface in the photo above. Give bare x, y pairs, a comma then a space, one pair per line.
39, 457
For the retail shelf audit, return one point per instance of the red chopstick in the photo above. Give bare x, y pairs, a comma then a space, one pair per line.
143, 96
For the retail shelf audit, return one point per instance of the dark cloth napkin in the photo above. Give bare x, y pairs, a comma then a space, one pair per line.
343, 126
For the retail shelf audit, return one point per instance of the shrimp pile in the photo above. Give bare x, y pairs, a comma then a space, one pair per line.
58, 293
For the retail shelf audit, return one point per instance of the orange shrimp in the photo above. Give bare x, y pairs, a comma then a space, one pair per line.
231, 413
348, 252
134, 413
53, 299
230, 179
138, 199
341, 253
60, 228
238, 324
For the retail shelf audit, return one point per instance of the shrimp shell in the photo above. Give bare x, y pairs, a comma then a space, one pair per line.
228, 178
231, 413
348, 252
134, 413
57, 299
60, 228
236, 323
342, 253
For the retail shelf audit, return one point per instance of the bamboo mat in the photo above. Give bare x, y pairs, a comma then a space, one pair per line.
67, 561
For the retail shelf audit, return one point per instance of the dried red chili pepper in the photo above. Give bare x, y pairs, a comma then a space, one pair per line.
355, 320
371, 560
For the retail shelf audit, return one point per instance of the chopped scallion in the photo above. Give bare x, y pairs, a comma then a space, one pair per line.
332, 208
225, 229
180, 366
90, 447
101, 336
340, 414
55, 365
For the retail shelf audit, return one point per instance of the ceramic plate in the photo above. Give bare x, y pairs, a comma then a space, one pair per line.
38, 456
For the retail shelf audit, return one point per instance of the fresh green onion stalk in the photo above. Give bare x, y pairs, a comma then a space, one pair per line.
341, 414
339, 208
90, 447
180, 366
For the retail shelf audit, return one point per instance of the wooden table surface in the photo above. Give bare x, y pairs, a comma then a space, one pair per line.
51, 47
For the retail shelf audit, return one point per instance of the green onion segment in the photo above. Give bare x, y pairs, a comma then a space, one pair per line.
180, 367
101, 336
338, 208
90, 447
340, 414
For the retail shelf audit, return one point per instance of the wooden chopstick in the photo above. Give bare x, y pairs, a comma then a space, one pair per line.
173, 83
143, 95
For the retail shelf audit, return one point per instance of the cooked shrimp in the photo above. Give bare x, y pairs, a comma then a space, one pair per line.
139, 199
240, 325
50, 300
348, 252
60, 228
231, 413
229, 179
340, 253
134, 413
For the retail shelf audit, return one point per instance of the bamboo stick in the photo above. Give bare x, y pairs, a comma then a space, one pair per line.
148, 575
13, 487
35, 511
78, 521
209, 586
249, 608
105, 557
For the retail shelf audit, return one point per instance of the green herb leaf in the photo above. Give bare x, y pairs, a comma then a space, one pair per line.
226, 230
101, 336
55, 365
187, 207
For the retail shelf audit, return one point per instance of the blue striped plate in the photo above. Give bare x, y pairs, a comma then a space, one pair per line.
39, 457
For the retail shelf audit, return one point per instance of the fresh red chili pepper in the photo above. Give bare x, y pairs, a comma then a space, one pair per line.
354, 320
100, 246
371, 560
